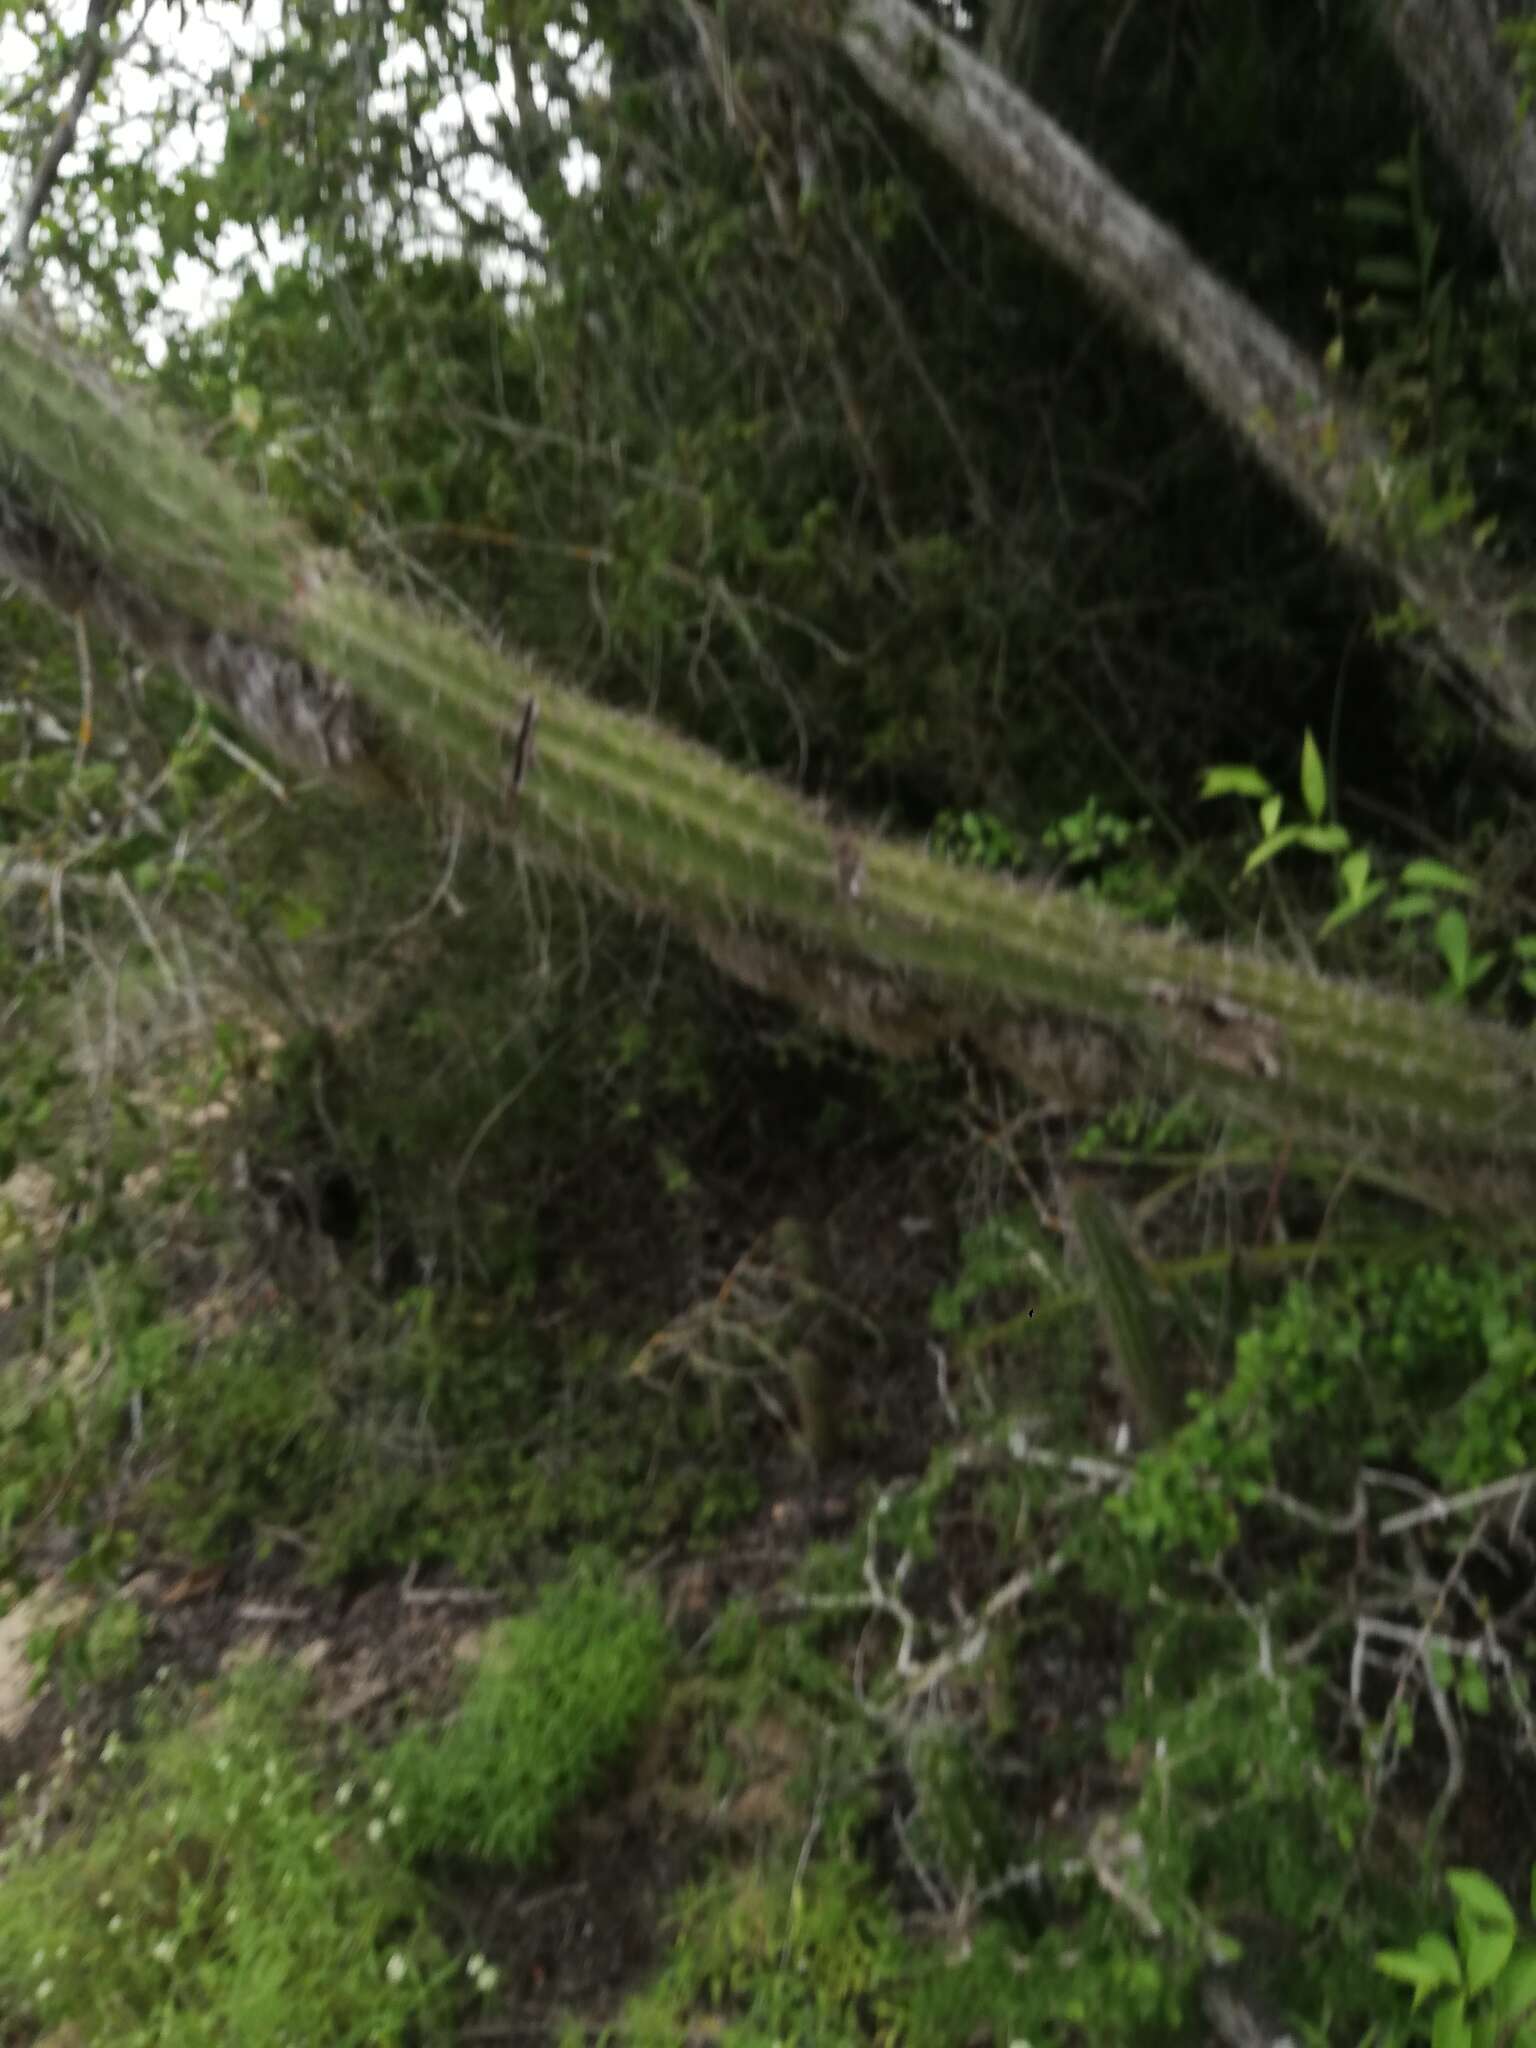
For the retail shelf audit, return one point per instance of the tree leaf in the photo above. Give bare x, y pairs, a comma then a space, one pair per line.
1268, 848
1479, 968
1314, 777
1406, 907
1455, 946
1345, 913
1353, 873
1488, 1950
1450, 2029
1269, 816
1480, 1897
1322, 838
1234, 781
1516, 1989
1431, 1965
1434, 874
1473, 1687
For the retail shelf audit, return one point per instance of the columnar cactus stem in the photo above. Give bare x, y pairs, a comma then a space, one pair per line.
105, 510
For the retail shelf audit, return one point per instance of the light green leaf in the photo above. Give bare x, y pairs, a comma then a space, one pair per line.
1473, 1687
1516, 1989
1450, 2029
1406, 907
1269, 816
1268, 848
1234, 781
1322, 838
1480, 1897
1434, 874
1455, 946
1488, 1949
1353, 873
1345, 913
1431, 1965
1479, 968
1314, 777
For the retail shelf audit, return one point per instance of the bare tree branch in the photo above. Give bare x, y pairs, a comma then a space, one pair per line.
93, 55
1450, 52
1307, 429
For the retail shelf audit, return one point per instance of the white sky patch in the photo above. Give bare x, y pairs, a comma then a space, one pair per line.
130, 111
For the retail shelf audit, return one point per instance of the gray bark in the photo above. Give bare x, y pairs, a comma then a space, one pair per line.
1307, 429
1452, 55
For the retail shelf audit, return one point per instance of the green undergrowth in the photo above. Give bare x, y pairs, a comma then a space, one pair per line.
229, 1876
556, 1699
818, 1929
368, 1293
1430, 1369
946, 1872
209, 1887
764, 1955
401, 1438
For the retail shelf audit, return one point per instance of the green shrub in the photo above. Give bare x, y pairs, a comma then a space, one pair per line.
209, 1891
1430, 1366
558, 1695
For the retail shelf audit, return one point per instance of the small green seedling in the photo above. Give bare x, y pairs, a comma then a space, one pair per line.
1419, 893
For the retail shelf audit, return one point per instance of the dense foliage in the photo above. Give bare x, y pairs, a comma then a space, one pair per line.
1084, 1560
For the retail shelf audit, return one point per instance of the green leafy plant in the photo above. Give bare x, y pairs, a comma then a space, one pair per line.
1096, 850
978, 839
1478, 1991
1422, 891
1431, 1364
1091, 834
